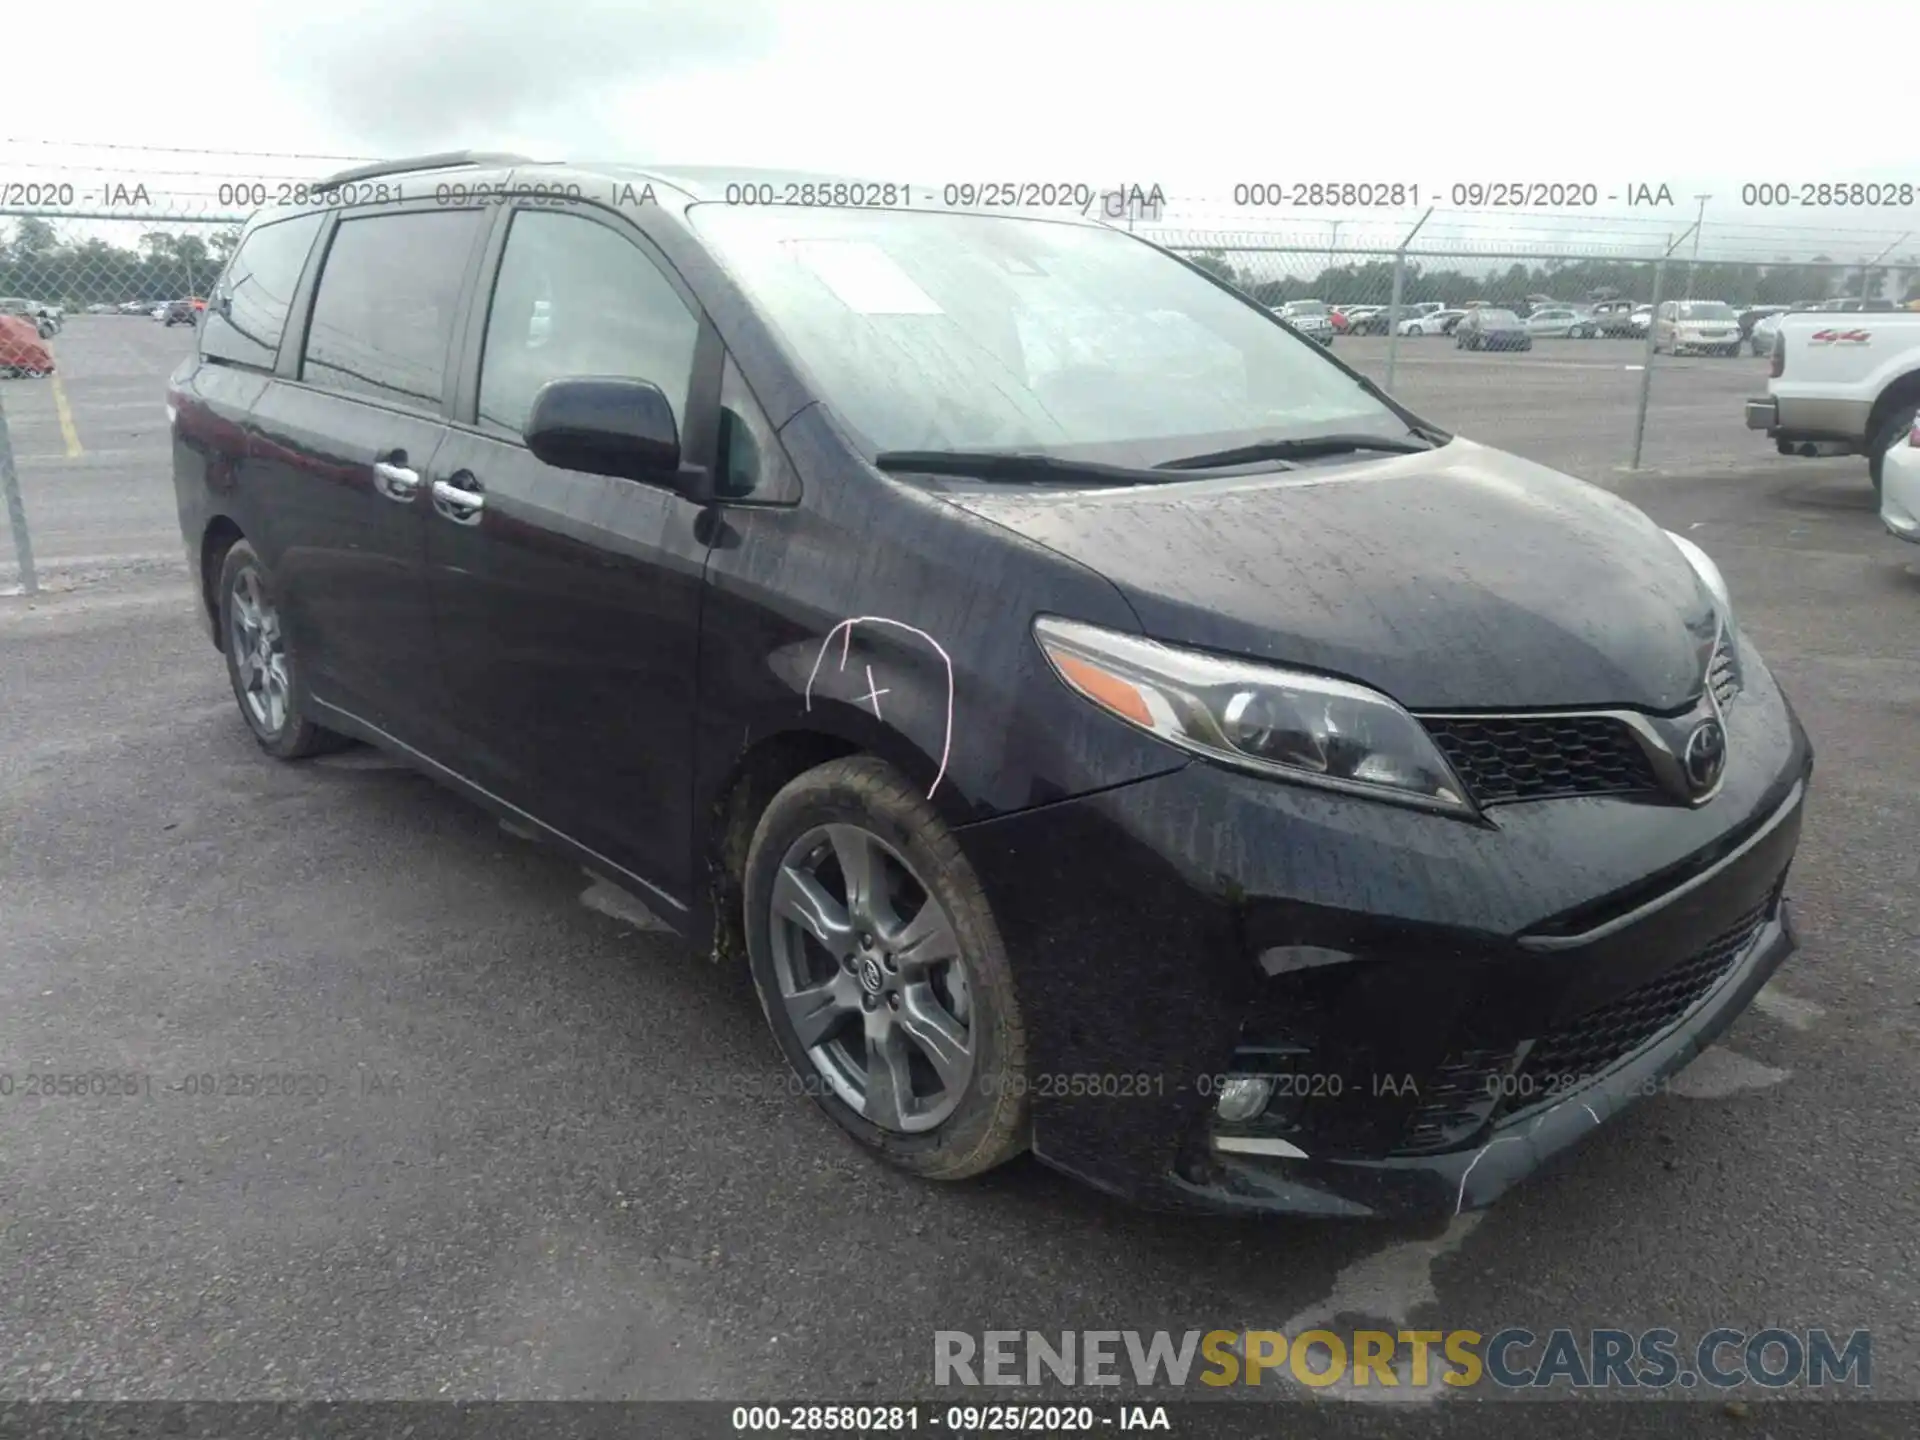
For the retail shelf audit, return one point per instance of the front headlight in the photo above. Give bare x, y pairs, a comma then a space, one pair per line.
1709, 574
1283, 723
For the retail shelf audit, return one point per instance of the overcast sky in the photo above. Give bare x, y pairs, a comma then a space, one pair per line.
1195, 96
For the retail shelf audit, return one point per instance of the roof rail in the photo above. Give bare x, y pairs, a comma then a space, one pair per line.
448, 160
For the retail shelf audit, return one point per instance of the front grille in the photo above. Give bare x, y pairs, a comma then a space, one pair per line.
1543, 757
1605, 1036
1723, 674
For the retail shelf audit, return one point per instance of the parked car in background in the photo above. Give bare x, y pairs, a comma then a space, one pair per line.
1310, 318
1900, 487
1491, 328
181, 312
46, 319
159, 312
1752, 315
23, 349
100, 309
1614, 318
1380, 317
1760, 338
1699, 327
1563, 322
1847, 386
1434, 322
134, 307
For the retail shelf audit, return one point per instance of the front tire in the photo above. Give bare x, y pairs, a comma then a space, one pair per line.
259, 665
882, 973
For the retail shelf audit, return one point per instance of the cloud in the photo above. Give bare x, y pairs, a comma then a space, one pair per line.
428, 75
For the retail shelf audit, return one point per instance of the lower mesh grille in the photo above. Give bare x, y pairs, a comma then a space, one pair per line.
1474, 1088
1602, 1038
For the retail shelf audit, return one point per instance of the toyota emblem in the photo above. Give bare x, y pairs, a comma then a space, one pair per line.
1706, 756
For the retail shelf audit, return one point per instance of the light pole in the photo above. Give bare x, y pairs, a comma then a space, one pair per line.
1695, 261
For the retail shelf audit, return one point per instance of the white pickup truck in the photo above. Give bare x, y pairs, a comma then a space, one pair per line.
1841, 384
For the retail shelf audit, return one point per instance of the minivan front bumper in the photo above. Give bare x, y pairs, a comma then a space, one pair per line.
1439, 1005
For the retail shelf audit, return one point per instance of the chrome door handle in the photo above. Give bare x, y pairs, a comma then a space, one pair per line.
461, 506
396, 482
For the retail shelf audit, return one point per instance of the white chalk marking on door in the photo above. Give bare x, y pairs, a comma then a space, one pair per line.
874, 693
845, 631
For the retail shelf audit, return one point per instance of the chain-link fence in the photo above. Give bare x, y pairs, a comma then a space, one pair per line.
72, 287
1588, 397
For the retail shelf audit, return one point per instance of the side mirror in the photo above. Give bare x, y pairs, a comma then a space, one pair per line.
614, 427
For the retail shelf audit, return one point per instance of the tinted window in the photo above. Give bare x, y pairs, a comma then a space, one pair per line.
1498, 317
752, 464
384, 312
577, 298
247, 312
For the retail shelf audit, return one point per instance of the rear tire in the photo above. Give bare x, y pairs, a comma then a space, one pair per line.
870, 1005
264, 680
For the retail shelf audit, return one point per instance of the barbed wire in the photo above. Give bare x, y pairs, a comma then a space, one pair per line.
190, 150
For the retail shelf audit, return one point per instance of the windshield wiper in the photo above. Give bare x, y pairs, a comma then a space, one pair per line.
1296, 450
1011, 465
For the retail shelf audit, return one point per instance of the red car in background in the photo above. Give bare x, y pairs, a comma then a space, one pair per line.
22, 352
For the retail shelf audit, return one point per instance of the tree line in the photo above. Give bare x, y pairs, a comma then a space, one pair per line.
165, 265
38, 264
1784, 282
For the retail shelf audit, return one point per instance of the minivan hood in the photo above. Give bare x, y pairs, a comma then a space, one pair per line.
1459, 578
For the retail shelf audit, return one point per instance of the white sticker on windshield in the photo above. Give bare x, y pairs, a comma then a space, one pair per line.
867, 280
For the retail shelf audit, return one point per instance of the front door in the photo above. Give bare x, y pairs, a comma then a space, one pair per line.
567, 605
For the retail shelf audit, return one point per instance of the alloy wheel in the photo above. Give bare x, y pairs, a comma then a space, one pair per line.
259, 653
868, 967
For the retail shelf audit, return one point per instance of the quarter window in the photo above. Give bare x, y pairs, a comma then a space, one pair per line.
247, 312
575, 297
384, 313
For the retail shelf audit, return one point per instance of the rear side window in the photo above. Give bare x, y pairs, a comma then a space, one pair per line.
384, 311
247, 313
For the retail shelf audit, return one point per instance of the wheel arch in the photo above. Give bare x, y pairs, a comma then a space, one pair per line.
757, 774
216, 540
1905, 390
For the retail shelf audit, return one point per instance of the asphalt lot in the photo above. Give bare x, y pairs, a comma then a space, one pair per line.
552, 1159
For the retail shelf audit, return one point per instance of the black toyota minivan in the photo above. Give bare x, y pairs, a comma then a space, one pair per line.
1103, 722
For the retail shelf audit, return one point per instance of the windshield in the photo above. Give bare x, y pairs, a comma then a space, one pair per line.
937, 331
1706, 310
1498, 317
1305, 307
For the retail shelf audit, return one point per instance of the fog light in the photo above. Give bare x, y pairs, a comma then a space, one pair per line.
1242, 1097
